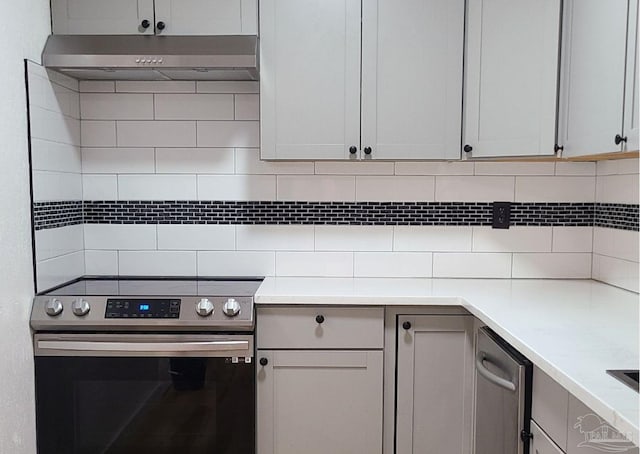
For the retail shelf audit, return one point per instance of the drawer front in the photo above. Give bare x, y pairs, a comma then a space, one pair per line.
541, 443
550, 407
320, 327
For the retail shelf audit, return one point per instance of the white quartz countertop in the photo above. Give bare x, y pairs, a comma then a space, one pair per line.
574, 330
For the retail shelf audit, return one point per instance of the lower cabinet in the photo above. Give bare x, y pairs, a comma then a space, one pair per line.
541, 443
434, 384
319, 402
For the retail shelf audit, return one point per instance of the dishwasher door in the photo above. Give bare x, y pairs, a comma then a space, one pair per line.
503, 397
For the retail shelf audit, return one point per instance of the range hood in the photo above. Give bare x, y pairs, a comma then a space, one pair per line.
124, 57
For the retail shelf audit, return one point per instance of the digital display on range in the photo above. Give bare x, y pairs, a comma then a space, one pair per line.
142, 308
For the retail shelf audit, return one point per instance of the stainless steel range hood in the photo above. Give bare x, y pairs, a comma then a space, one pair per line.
122, 57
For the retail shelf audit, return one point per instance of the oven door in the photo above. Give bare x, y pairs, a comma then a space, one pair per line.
126, 394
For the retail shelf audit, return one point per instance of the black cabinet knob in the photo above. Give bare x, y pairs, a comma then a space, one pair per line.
558, 148
406, 325
353, 149
145, 24
367, 150
468, 148
319, 319
161, 25
619, 139
264, 361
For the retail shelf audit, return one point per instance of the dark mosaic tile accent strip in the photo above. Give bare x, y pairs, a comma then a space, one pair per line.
617, 216
59, 214
51, 215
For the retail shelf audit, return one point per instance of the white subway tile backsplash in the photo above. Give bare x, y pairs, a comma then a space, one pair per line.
116, 106
99, 187
400, 189
354, 168
393, 264
316, 188
622, 244
472, 265
554, 189
247, 107
353, 238
274, 237
314, 264
119, 236
432, 238
618, 167
157, 187
98, 133
237, 134
125, 86
576, 168
433, 168
228, 87
618, 272
51, 96
55, 156
59, 270
474, 189
118, 160
56, 186
514, 239
101, 263
572, 239
617, 189
236, 187
514, 168
156, 133
59, 241
54, 126
157, 263
97, 86
195, 160
61, 79
193, 107
248, 162
236, 263
552, 266
196, 237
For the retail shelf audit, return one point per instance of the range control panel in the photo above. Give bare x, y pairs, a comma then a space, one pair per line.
142, 308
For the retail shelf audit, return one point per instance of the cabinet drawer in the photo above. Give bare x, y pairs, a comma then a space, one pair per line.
320, 327
550, 407
541, 443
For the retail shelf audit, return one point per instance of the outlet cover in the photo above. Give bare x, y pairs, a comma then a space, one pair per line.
501, 215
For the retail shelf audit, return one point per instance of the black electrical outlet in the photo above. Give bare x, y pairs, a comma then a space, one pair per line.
501, 215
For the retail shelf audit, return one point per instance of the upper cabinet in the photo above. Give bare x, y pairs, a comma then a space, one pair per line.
386, 71
167, 17
599, 61
511, 77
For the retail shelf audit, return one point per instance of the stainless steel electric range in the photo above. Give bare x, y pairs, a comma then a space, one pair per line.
145, 365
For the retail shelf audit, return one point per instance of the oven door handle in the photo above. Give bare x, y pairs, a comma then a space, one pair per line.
169, 348
481, 357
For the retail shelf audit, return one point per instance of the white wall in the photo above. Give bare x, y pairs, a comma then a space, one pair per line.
23, 30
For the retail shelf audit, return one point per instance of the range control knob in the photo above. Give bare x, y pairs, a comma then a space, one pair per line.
204, 308
80, 307
231, 308
53, 307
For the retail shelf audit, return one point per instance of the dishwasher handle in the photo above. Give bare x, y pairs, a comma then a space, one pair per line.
481, 357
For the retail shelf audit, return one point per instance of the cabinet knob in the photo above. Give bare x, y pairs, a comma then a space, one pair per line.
558, 148
619, 139
367, 150
264, 361
468, 148
161, 25
319, 319
353, 149
145, 24
406, 325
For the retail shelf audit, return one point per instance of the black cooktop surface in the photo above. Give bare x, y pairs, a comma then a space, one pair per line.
153, 286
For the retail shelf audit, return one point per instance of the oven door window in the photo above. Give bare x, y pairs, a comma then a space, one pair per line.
144, 405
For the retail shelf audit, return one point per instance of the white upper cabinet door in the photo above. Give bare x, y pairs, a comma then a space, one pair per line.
309, 78
412, 60
207, 17
512, 77
631, 86
593, 75
100, 17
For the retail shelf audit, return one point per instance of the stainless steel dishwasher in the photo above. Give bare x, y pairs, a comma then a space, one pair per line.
503, 397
